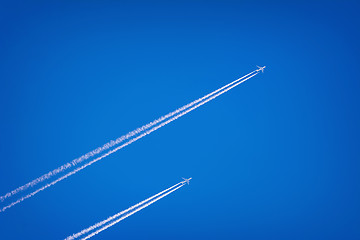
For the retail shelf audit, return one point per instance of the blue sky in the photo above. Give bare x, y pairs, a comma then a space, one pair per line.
275, 158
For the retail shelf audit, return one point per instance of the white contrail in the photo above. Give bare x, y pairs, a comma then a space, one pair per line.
99, 224
127, 143
110, 144
130, 213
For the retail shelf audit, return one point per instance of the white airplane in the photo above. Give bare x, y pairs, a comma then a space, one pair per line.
186, 180
260, 68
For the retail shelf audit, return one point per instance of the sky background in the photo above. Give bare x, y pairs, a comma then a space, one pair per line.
275, 158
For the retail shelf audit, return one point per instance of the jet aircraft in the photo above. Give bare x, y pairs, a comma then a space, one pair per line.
186, 180
260, 68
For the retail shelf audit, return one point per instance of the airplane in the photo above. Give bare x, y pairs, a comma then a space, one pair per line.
186, 180
260, 68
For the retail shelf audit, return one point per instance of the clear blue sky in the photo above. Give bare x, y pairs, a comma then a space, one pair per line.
275, 158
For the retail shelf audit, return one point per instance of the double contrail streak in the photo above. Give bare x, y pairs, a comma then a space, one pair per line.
110, 144
142, 206
173, 116
99, 224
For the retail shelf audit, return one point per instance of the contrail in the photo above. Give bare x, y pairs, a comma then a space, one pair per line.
110, 144
130, 213
130, 141
99, 224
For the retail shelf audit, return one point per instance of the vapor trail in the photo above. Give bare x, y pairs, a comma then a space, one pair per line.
99, 224
110, 144
131, 213
129, 142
